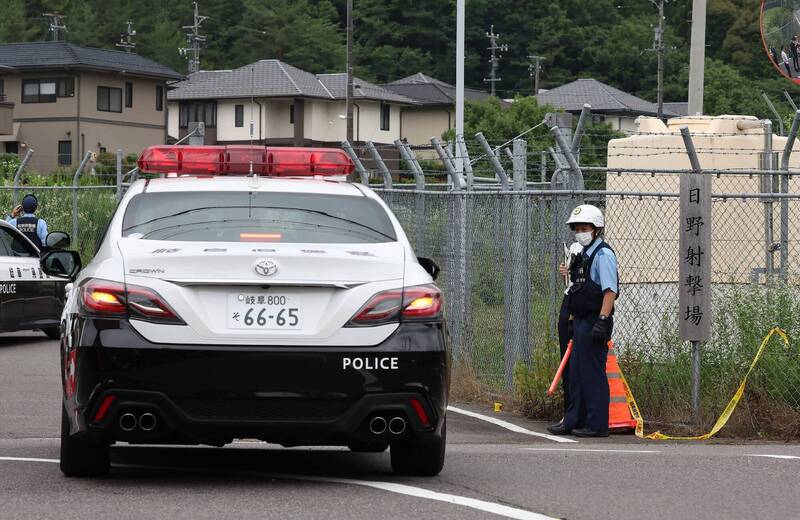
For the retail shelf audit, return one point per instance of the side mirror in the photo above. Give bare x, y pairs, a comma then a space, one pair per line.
61, 264
430, 266
57, 240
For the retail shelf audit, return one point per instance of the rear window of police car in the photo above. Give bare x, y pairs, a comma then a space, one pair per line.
269, 217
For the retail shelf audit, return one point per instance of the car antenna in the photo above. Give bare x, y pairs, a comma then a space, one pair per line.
254, 181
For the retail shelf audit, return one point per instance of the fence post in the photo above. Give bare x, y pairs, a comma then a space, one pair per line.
18, 174
462, 150
543, 166
362, 172
387, 175
576, 182
575, 146
420, 220
455, 177
787, 153
516, 302
75, 182
768, 101
119, 174
493, 160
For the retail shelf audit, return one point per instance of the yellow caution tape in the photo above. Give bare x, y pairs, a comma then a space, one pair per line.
723, 418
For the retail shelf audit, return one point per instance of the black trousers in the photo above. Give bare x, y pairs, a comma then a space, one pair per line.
796, 59
788, 69
588, 384
563, 341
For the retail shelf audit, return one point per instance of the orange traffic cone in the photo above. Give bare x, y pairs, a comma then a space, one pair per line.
619, 416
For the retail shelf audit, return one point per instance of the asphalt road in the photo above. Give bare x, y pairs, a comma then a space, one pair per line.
490, 472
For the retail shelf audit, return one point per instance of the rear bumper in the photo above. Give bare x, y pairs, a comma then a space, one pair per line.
291, 396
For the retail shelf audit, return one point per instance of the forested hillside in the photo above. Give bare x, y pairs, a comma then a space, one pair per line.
604, 39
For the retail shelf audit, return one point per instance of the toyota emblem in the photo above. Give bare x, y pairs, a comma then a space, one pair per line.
266, 267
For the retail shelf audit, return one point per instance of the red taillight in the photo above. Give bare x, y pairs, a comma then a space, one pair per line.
421, 413
107, 299
260, 237
104, 406
238, 159
423, 302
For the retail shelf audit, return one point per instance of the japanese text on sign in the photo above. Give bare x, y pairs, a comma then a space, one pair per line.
694, 304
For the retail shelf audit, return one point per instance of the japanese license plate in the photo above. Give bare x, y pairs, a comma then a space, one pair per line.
264, 311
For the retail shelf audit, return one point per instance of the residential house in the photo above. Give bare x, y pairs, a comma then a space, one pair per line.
609, 104
274, 103
64, 99
435, 111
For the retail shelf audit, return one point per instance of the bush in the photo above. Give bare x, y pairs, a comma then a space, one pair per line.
9, 163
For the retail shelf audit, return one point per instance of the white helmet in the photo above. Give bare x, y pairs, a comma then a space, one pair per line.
587, 214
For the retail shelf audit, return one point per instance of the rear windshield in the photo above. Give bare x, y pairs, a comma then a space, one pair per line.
257, 217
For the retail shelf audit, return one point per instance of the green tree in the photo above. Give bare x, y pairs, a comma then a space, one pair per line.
14, 24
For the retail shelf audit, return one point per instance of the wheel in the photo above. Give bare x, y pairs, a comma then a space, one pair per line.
368, 447
80, 457
53, 332
419, 458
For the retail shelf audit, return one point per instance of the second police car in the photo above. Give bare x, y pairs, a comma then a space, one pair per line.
282, 305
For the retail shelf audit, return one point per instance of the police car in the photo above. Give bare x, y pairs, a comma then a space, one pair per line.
285, 305
29, 299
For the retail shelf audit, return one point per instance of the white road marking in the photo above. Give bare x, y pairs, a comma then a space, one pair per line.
401, 489
509, 426
592, 450
28, 459
787, 457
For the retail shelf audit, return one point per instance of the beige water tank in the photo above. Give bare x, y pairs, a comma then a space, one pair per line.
645, 232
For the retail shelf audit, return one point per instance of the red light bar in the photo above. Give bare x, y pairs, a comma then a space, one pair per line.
236, 160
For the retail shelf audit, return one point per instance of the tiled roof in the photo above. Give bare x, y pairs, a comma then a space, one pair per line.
274, 78
49, 55
602, 98
431, 91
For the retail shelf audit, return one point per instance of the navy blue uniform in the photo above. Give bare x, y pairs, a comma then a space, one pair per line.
589, 396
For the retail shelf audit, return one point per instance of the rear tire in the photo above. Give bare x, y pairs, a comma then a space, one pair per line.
81, 457
53, 332
419, 458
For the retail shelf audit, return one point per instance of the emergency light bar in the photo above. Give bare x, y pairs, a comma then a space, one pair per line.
236, 159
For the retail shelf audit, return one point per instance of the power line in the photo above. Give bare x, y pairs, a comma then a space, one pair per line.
195, 40
126, 40
495, 59
56, 25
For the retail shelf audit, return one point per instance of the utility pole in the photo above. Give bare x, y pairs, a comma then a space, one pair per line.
460, 31
697, 56
495, 59
126, 40
658, 48
57, 25
533, 70
349, 94
195, 40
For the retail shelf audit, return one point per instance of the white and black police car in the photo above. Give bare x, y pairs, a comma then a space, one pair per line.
285, 305
29, 298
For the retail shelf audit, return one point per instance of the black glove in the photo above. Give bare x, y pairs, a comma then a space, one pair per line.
601, 332
570, 329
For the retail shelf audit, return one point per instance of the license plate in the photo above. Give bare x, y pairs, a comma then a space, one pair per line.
264, 312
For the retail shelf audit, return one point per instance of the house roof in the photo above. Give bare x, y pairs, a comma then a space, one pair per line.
431, 91
602, 98
274, 78
679, 108
63, 55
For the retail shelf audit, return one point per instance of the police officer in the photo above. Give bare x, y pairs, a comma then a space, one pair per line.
29, 224
595, 286
565, 325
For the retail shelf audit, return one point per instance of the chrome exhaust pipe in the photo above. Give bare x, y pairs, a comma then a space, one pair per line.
127, 422
397, 425
147, 422
377, 425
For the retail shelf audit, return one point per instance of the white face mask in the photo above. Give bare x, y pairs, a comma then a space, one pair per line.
584, 239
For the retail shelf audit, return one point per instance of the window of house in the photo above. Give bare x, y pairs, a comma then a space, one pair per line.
197, 111
239, 116
128, 94
109, 99
2, 89
66, 87
39, 90
291, 114
159, 98
65, 153
384, 116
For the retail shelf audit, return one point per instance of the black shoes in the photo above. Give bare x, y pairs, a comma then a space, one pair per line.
559, 429
586, 432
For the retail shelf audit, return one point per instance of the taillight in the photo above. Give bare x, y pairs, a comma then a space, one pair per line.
107, 299
423, 303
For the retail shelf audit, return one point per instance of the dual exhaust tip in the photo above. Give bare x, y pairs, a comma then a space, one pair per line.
146, 422
379, 425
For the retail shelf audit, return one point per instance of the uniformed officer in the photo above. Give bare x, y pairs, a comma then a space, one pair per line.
565, 325
27, 222
595, 286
